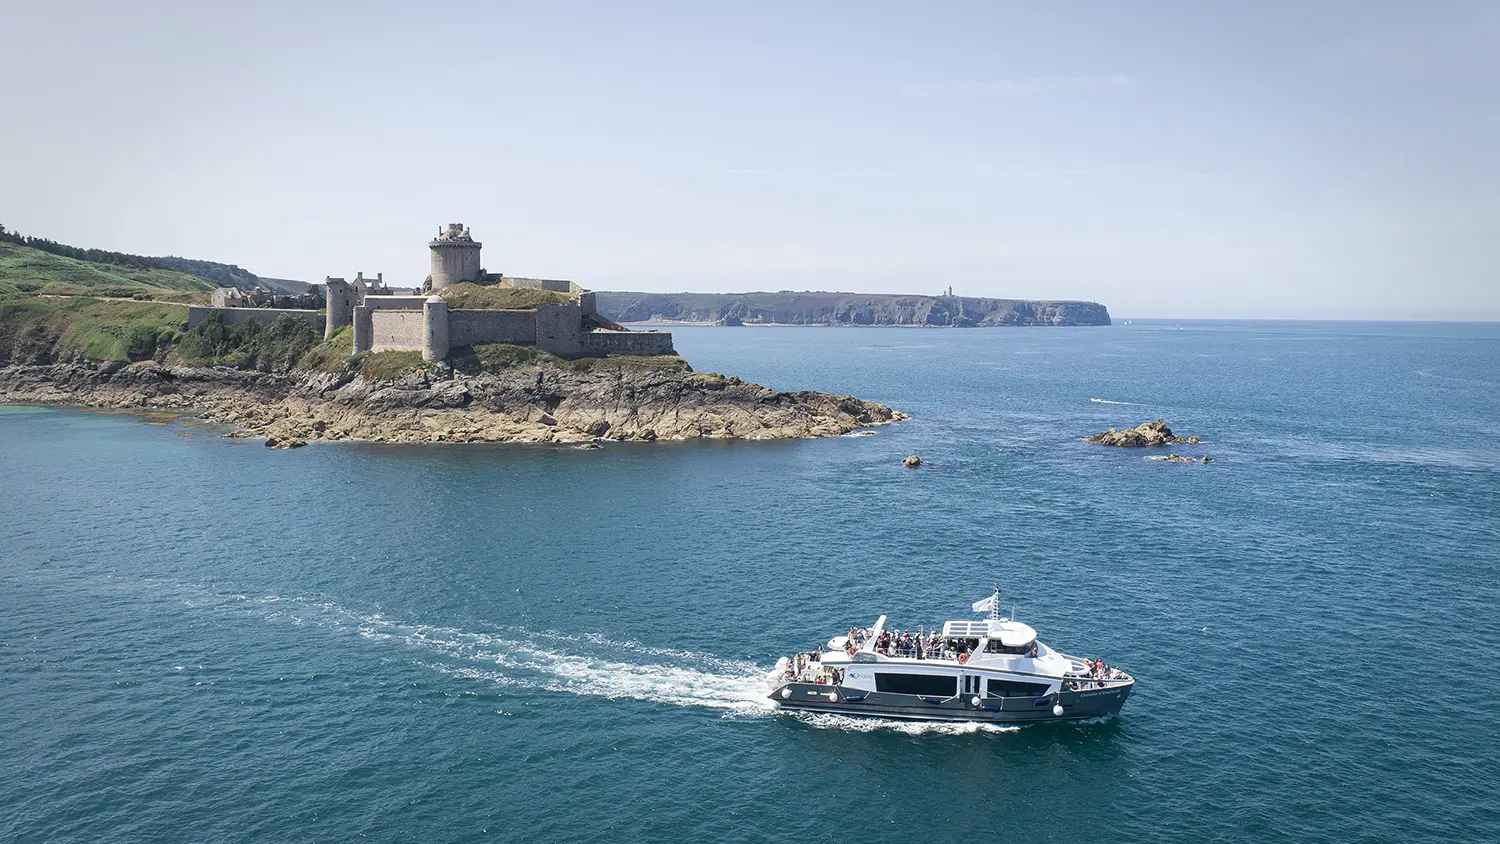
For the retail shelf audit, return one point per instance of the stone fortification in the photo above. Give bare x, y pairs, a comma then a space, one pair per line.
466, 328
435, 329
384, 322
419, 323
392, 331
388, 323
340, 305
627, 343
455, 257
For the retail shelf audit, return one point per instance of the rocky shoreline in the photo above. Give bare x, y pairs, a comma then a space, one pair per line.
521, 404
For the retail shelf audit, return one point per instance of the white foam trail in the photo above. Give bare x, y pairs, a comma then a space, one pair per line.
867, 724
589, 665
1107, 401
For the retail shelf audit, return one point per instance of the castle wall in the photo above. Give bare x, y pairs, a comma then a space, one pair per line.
392, 330
364, 327
627, 343
553, 284
466, 328
241, 316
558, 329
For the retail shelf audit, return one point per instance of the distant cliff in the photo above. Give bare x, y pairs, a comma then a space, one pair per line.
817, 308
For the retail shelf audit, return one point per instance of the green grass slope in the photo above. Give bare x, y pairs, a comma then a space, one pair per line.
27, 270
467, 296
43, 330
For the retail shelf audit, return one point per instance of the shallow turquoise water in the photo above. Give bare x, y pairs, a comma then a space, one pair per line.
202, 639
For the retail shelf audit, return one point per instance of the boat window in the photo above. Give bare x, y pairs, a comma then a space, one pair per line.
936, 685
1015, 688
995, 647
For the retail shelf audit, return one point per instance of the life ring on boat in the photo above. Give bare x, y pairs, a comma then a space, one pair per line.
963, 659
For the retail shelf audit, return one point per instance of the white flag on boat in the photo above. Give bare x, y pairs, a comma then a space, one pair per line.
990, 604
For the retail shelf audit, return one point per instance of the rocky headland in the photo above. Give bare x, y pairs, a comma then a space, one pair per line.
521, 404
287, 384
1148, 435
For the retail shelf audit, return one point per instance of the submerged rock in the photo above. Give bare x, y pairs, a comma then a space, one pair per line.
1174, 457
1147, 435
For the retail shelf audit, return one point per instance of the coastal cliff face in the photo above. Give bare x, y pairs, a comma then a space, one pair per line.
789, 308
521, 404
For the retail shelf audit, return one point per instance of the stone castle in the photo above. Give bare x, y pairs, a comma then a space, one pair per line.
384, 321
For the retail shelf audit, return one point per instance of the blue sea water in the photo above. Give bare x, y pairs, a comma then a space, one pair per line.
205, 640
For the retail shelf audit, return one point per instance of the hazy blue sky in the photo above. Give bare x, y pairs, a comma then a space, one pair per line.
1187, 159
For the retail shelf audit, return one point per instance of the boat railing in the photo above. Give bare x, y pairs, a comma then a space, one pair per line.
913, 652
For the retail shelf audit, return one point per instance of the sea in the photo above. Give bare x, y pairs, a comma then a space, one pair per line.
204, 640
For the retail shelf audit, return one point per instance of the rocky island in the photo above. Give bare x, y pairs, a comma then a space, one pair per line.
470, 357
1148, 435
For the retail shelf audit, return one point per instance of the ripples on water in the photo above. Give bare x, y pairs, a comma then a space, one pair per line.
205, 640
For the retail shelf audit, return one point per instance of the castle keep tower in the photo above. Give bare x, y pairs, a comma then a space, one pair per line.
455, 257
341, 303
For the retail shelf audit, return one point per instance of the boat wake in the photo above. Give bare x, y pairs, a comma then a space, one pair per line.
1107, 401
515, 659
868, 724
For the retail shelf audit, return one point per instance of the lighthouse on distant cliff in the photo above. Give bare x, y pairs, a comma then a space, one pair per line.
455, 257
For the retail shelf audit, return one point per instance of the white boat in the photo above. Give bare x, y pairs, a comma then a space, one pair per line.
992, 669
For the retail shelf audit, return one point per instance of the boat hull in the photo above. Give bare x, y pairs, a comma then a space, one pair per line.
1087, 703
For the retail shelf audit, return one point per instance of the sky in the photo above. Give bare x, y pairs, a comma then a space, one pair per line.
1323, 160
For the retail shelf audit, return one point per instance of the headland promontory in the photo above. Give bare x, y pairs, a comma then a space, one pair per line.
467, 356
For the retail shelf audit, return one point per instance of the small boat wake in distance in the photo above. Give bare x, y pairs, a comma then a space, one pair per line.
1107, 401
992, 671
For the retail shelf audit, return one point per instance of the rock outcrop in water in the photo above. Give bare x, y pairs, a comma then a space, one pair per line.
520, 404
1147, 435
1174, 457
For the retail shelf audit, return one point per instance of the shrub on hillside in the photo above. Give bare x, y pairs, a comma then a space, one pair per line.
270, 348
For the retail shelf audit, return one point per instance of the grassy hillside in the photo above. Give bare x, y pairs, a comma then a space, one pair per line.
480, 297
25, 270
829, 308
40, 330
